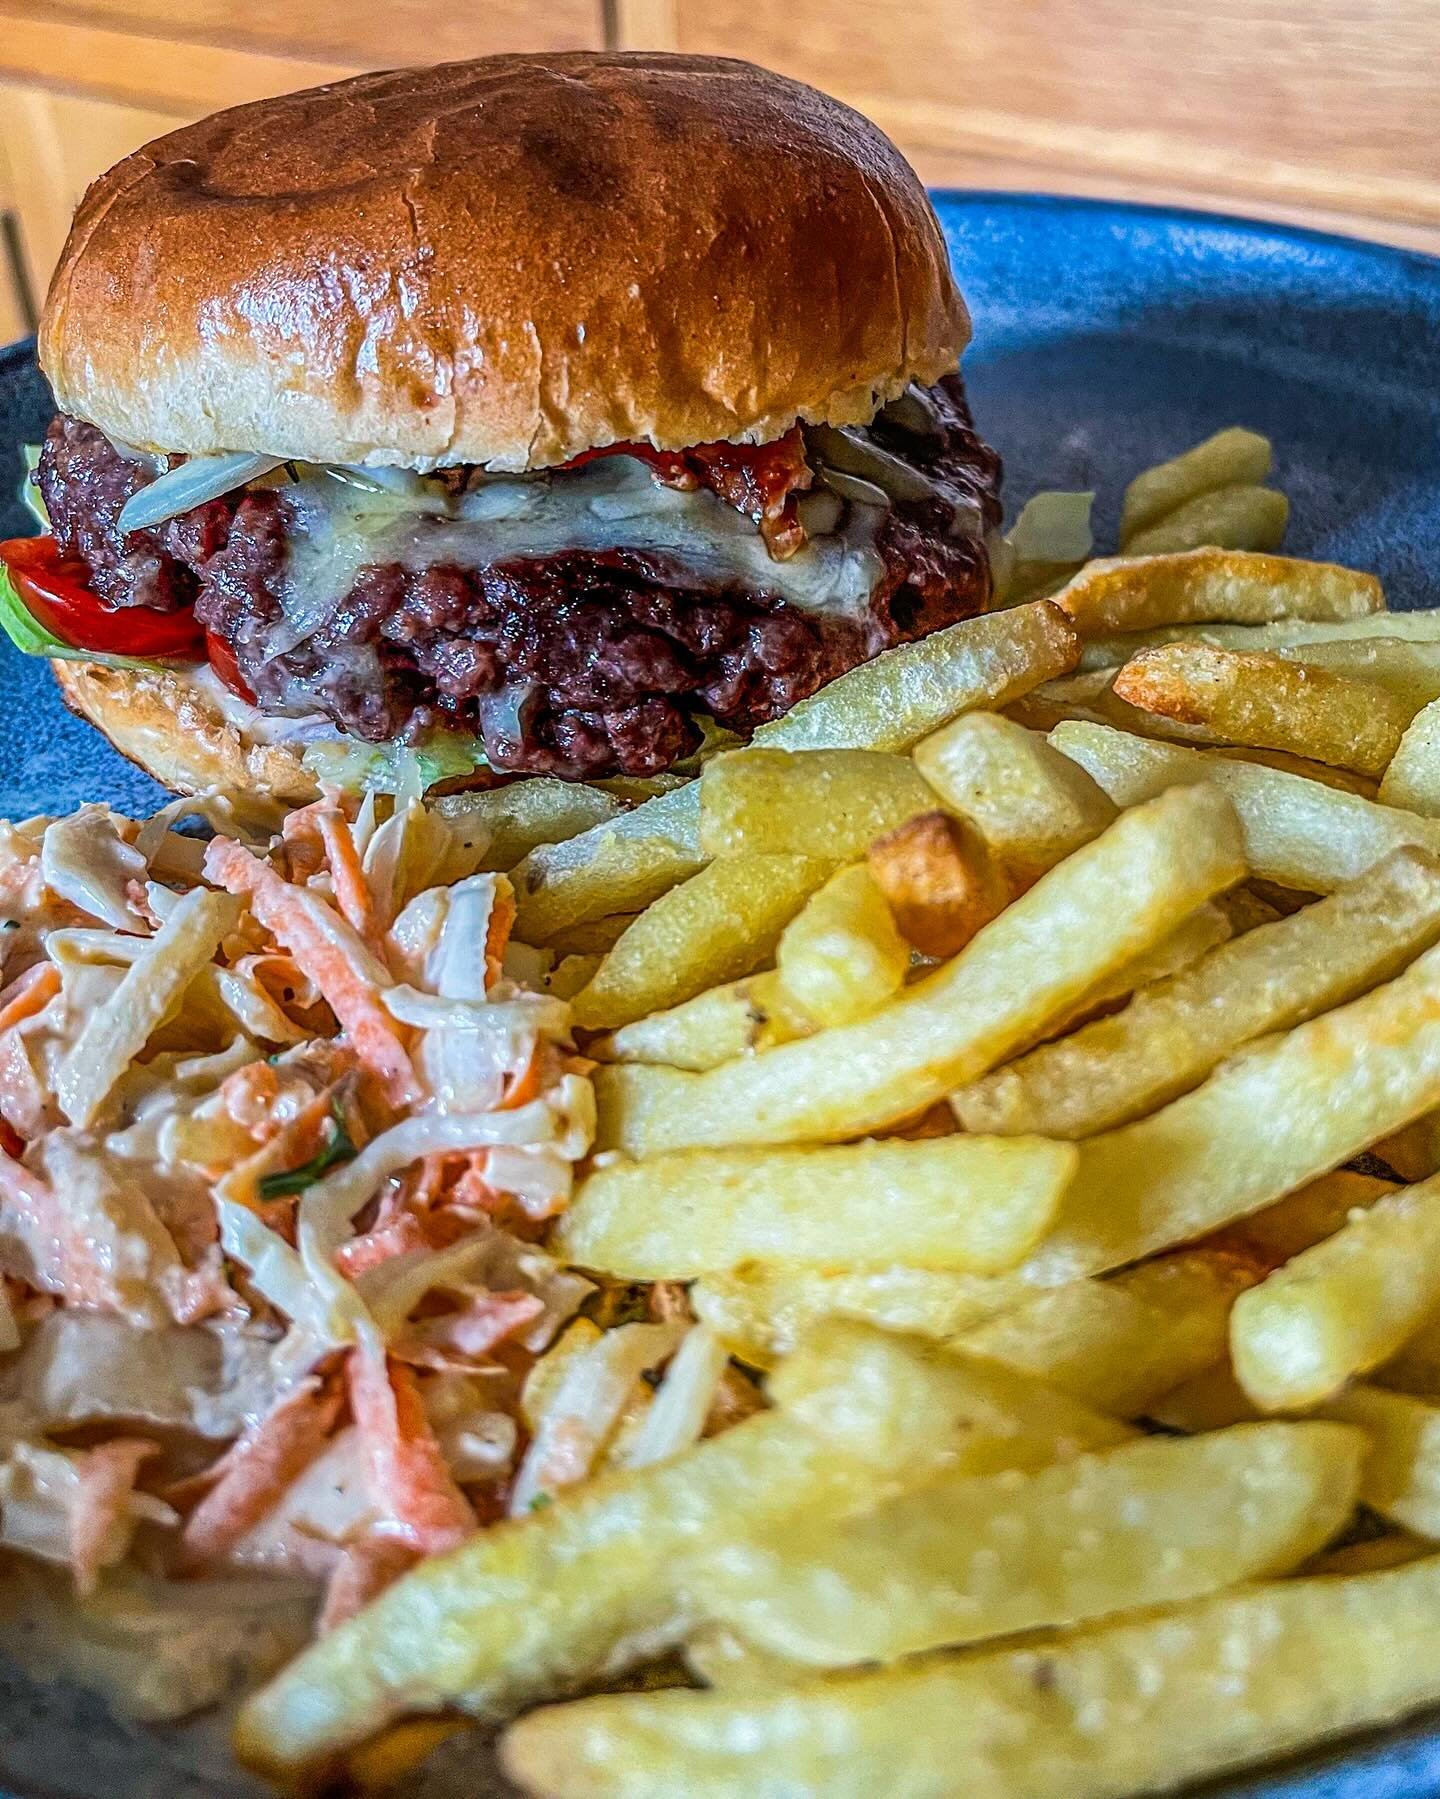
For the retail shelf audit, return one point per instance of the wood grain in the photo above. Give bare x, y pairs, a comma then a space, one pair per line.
177, 77
1326, 104
370, 33
54, 145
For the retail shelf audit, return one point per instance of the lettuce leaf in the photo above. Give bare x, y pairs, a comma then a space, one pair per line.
29, 492
394, 767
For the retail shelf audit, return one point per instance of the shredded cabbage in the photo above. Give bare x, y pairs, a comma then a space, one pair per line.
676, 1416
399, 768
1053, 526
585, 1407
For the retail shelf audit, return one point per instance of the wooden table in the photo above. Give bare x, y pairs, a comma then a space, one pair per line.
1326, 112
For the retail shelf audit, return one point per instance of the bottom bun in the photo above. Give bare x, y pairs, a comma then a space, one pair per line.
166, 722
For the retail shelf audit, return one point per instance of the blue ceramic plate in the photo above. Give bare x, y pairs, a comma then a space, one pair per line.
1106, 338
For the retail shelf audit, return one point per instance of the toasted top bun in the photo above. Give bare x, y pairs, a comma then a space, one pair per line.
167, 723
503, 262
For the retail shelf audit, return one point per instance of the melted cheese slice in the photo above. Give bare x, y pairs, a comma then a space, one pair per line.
612, 504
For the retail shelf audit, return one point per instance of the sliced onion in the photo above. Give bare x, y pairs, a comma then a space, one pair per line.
819, 511
914, 412
382, 479
852, 487
198, 479
845, 448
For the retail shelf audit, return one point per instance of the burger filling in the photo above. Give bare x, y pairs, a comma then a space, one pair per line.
580, 621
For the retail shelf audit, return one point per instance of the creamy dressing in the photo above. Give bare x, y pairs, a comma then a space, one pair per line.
612, 504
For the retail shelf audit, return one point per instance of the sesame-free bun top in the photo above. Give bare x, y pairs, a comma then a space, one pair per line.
505, 262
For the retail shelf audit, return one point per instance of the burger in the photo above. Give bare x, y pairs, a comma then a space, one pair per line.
531, 415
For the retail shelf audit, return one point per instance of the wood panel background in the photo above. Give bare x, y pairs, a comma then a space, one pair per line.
1319, 111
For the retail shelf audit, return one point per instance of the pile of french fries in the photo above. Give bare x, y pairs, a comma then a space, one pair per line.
983, 1056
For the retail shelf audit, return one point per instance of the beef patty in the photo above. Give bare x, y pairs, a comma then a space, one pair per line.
577, 663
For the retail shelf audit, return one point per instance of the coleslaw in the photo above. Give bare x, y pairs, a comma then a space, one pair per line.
284, 1122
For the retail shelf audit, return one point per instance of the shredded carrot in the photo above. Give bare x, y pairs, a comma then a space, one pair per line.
525, 1085
256, 1471
66, 1260
28, 994
399, 1236
408, 1472
107, 1479
327, 949
352, 891
497, 934
486, 1321
365, 1568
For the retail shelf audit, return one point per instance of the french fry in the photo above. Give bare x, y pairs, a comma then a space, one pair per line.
1372, 1555
503, 824
1414, 1151
714, 1027
618, 865
1346, 780
1400, 1476
1239, 517
1409, 671
1341, 1307
761, 1312
570, 974
1037, 959
596, 1579
827, 803
941, 882
841, 956
1110, 649
1284, 1111
1415, 1368
1145, 1524
986, 1418
596, 937
1123, 1342
718, 1658
1135, 1706
1091, 696
1229, 457
1297, 832
1413, 778
1032, 805
1211, 1401
1201, 586
1264, 700
721, 923
1270, 1237
1205, 929
1174, 1033
969, 1203
887, 704
900, 697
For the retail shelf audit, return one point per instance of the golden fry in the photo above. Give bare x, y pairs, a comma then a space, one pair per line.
1239, 517
1229, 457
1041, 956
827, 803
842, 956
1200, 586
941, 882
1264, 700
1032, 805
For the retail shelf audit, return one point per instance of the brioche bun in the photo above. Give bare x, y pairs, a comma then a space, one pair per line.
167, 722
503, 262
